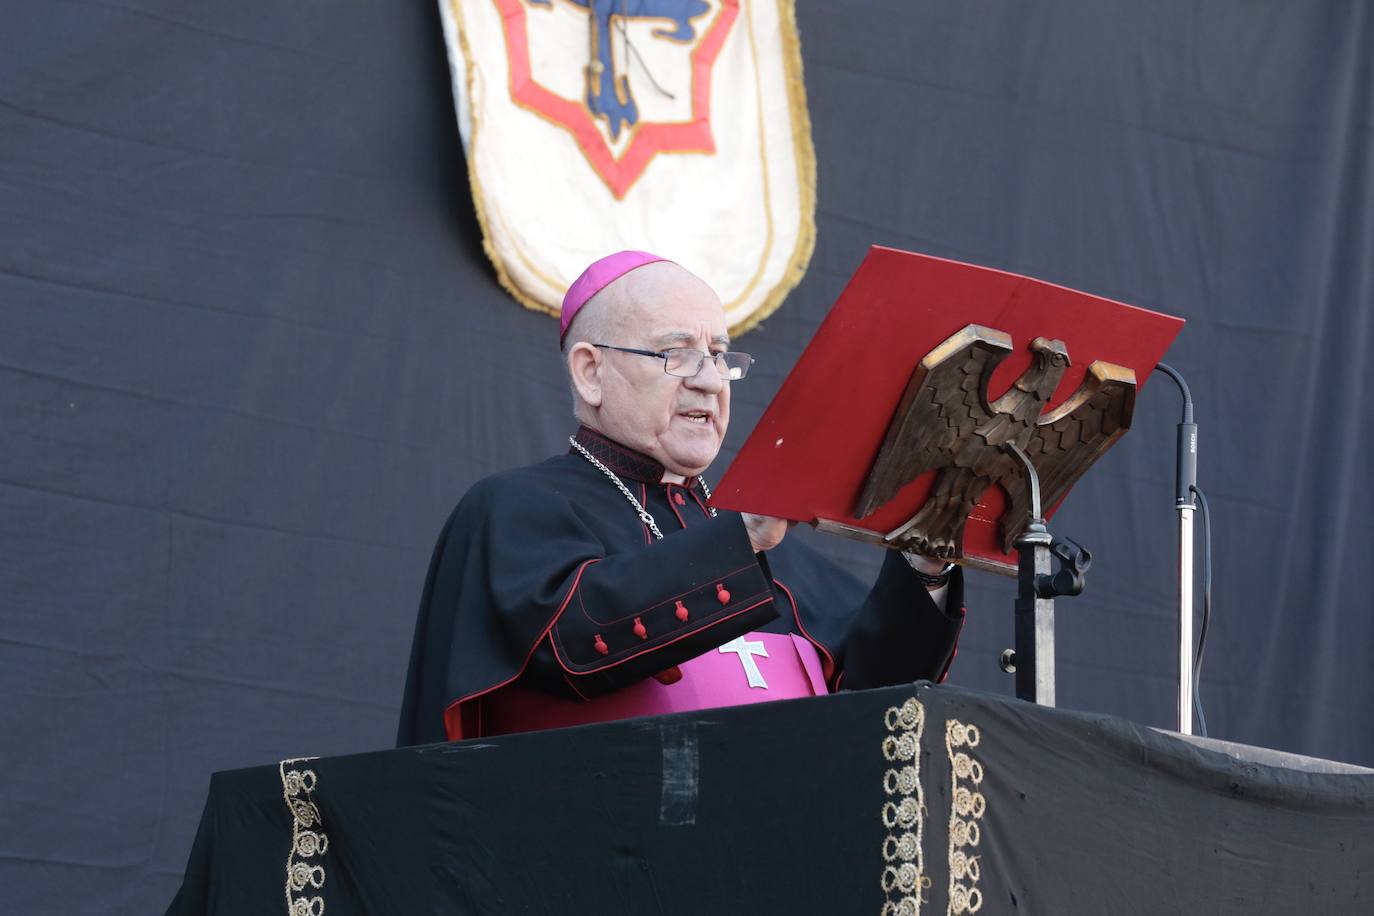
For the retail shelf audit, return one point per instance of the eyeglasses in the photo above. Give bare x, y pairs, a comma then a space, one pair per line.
686, 362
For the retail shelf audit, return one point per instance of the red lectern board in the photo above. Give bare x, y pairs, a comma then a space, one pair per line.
811, 453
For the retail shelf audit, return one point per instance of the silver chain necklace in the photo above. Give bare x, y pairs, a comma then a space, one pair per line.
644, 515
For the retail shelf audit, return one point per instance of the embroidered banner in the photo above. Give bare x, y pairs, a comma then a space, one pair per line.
677, 126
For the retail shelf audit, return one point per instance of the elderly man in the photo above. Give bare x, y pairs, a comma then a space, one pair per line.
601, 583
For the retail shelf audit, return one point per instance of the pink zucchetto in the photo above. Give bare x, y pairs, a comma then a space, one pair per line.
597, 277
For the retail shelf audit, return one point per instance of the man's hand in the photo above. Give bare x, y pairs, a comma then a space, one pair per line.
765, 532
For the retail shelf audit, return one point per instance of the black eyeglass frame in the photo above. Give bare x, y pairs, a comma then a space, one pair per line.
715, 357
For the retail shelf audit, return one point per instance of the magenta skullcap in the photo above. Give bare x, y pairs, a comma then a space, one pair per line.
594, 279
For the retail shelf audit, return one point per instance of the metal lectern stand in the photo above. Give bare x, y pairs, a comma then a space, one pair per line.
1032, 661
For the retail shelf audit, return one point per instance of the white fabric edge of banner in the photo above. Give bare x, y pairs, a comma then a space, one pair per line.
457, 66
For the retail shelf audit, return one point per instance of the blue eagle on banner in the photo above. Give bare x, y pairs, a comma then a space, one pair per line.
608, 93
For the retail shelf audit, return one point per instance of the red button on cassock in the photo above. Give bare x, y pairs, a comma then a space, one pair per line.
639, 629
722, 595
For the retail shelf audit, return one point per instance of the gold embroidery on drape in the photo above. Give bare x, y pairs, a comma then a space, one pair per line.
966, 809
904, 876
308, 840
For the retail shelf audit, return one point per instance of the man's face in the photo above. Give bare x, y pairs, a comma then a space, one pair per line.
680, 422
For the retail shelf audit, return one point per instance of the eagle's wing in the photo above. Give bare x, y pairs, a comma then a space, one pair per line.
945, 399
1067, 441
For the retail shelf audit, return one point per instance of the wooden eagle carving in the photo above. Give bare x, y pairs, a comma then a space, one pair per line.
945, 421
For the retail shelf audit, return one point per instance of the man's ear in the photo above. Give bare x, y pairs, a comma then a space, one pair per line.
584, 365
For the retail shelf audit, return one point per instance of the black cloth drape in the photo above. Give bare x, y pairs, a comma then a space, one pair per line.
833, 804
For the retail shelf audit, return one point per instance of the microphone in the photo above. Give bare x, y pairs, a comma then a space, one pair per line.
1185, 467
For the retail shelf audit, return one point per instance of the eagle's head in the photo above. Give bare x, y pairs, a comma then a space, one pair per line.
1048, 361
1050, 353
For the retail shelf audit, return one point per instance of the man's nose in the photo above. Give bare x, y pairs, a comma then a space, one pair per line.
708, 377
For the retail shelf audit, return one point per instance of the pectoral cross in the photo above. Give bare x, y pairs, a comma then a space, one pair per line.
746, 649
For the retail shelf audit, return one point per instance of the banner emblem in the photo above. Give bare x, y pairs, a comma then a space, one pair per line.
676, 126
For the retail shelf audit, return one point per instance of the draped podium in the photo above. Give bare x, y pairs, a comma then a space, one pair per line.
908, 800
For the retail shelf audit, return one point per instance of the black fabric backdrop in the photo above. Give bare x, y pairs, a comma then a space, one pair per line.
251, 353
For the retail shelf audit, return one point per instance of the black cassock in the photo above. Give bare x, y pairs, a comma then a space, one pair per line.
546, 574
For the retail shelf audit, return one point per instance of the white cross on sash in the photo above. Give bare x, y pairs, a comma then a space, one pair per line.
745, 650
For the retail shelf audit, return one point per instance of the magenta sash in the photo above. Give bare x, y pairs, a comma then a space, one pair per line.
756, 668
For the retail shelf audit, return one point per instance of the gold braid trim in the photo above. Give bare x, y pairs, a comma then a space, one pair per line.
308, 840
805, 153
470, 155
966, 809
904, 878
